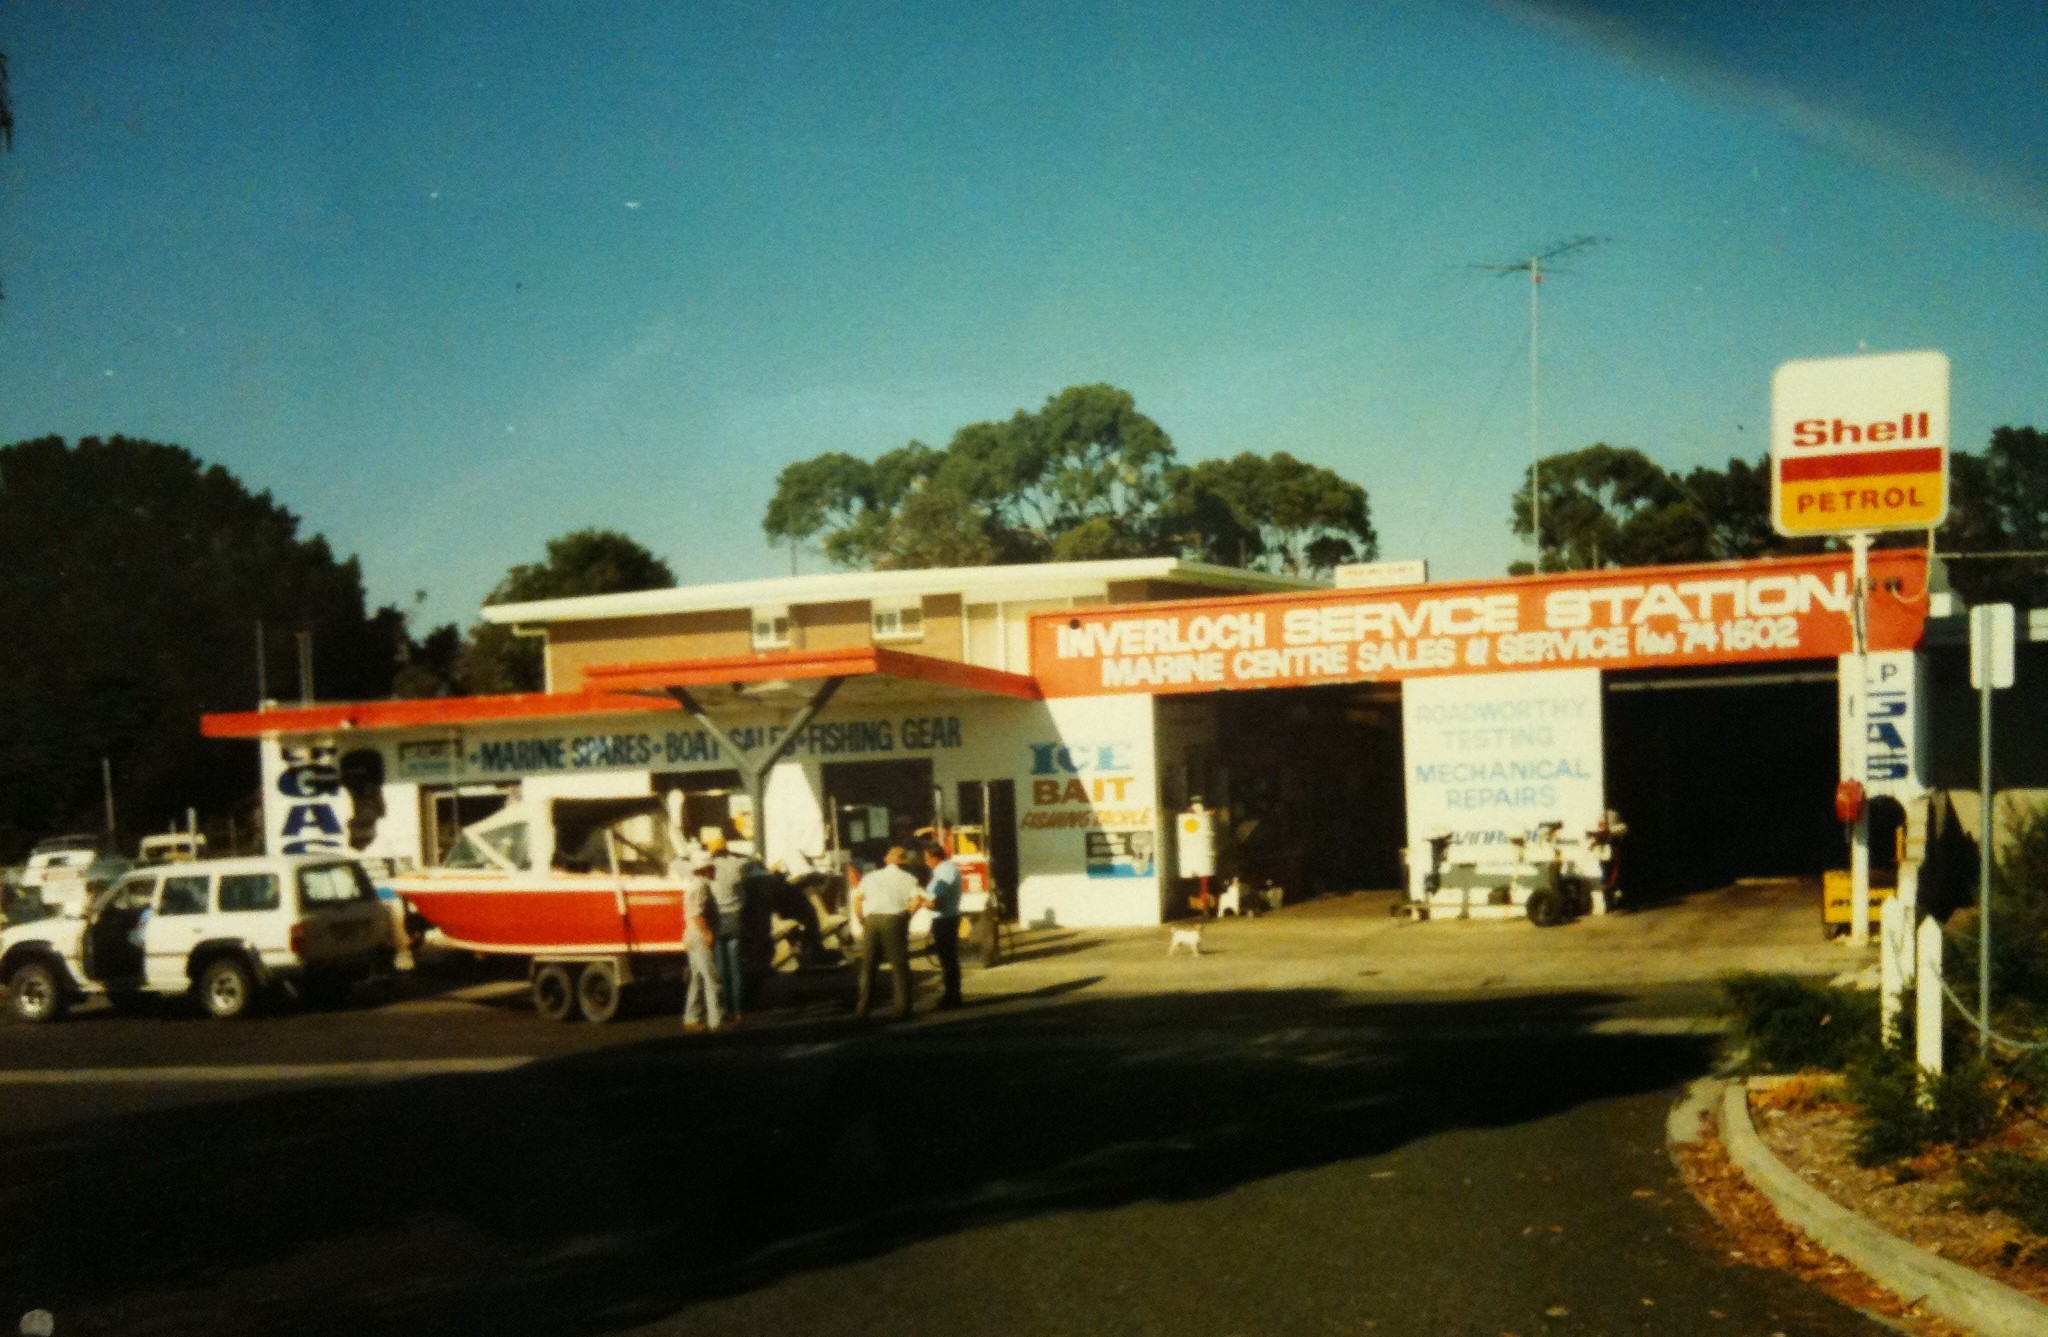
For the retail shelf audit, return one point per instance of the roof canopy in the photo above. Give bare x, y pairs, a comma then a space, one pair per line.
870, 676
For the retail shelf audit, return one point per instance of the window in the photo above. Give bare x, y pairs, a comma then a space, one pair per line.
131, 894
771, 628
509, 842
183, 896
899, 619
334, 884
248, 891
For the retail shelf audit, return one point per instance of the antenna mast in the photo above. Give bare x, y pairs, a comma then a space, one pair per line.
1534, 267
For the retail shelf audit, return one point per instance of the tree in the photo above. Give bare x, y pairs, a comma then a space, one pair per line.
588, 561
1610, 506
1273, 512
132, 581
1998, 502
1085, 476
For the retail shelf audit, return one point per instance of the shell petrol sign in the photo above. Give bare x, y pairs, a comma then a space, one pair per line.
1860, 444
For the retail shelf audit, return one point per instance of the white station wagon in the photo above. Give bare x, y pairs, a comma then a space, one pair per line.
227, 930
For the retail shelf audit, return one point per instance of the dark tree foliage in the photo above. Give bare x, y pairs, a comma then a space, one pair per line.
132, 578
1998, 502
1085, 476
1271, 512
497, 659
1613, 506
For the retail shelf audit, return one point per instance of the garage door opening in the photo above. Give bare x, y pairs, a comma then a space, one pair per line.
1308, 778
1723, 775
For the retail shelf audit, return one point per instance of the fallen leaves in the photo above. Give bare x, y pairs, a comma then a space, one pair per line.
1759, 1236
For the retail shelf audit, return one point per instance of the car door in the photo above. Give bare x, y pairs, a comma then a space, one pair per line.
343, 920
175, 927
113, 941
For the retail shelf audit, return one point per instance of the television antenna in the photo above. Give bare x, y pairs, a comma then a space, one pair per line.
1534, 267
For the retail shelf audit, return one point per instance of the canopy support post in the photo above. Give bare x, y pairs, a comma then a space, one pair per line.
753, 773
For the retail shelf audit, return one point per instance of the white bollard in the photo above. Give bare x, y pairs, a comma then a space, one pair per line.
1927, 999
1894, 944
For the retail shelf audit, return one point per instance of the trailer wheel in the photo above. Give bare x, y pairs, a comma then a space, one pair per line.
597, 992
554, 992
1546, 908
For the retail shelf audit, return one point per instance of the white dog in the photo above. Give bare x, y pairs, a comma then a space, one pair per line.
1189, 937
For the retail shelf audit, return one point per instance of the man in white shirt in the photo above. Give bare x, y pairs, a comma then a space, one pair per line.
882, 905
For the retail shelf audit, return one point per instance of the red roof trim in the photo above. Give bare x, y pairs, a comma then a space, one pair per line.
447, 710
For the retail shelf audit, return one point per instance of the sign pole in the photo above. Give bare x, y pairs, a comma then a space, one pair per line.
1991, 668
1859, 447
1986, 824
1859, 744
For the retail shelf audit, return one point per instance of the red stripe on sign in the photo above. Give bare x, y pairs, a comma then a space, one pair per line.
1861, 464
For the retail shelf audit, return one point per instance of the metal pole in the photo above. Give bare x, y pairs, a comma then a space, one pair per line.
1535, 449
1986, 824
262, 669
305, 668
107, 784
1859, 744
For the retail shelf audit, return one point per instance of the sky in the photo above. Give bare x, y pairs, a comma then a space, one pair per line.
450, 280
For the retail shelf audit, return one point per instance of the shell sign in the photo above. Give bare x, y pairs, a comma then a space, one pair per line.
1860, 444
1646, 617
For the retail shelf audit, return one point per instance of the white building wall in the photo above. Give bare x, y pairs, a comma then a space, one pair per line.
1083, 770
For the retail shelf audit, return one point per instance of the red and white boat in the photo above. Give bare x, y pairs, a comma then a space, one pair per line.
611, 895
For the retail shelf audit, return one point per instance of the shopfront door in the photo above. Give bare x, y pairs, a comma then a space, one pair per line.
876, 804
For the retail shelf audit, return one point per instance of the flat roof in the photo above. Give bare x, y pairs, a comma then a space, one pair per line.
1020, 581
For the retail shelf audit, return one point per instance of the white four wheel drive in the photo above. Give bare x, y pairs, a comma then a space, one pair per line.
225, 930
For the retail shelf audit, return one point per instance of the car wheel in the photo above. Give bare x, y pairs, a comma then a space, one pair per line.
37, 994
554, 993
226, 990
597, 993
1546, 908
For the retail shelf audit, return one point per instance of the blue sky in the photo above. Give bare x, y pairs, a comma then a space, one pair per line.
449, 280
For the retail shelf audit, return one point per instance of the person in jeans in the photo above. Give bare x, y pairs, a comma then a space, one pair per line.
882, 905
942, 893
701, 1008
728, 891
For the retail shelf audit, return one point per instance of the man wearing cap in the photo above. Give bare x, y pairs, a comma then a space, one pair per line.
882, 905
701, 1007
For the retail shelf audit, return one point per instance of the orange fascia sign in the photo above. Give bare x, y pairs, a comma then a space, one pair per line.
1644, 617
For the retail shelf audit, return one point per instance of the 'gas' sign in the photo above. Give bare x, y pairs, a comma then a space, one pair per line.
1860, 444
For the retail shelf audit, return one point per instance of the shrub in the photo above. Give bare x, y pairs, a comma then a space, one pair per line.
2008, 1181
2019, 931
1962, 1106
1787, 1024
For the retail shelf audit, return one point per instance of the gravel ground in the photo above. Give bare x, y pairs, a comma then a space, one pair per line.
1918, 1200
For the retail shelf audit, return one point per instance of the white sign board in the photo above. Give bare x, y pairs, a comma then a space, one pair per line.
1380, 575
1489, 756
1991, 650
1860, 444
1889, 721
1195, 844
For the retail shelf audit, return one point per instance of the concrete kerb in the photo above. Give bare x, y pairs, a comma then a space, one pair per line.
1947, 1289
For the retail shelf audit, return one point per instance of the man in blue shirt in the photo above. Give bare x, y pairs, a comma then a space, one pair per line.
943, 891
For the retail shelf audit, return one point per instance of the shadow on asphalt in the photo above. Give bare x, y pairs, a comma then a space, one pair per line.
620, 1186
